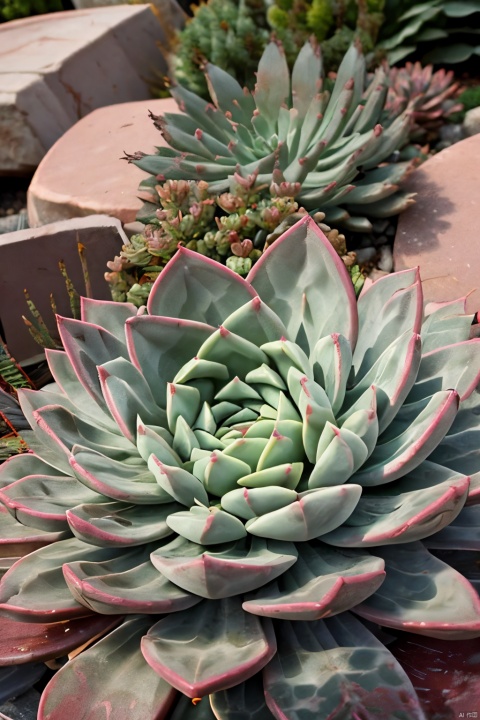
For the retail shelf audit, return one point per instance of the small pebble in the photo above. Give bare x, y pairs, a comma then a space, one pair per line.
380, 240
380, 226
365, 255
385, 261
451, 132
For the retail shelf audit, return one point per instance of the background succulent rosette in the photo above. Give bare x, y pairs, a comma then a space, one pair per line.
219, 480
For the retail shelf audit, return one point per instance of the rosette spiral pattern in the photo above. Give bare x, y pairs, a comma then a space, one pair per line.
233, 471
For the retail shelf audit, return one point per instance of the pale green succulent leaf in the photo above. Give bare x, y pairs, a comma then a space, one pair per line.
393, 375
88, 346
332, 359
463, 533
404, 452
421, 503
206, 526
110, 315
160, 347
284, 445
198, 368
196, 288
315, 513
256, 322
182, 401
128, 584
305, 77
272, 88
226, 570
157, 441
228, 95
249, 502
68, 383
282, 476
214, 648
222, 473
116, 524
322, 583
34, 588
60, 430
445, 324
423, 595
181, 485
455, 366
83, 677
237, 354
128, 395
305, 285
41, 501
390, 307
339, 669
391, 205
248, 450
205, 115
340, 453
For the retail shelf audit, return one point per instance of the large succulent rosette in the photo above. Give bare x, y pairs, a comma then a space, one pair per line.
227, 486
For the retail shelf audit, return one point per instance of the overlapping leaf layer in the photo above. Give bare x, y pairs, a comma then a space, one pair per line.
234, 470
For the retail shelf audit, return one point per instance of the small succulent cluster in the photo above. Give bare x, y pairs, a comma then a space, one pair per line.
218, 481
234, 228
229, 34
431, 96
334, 24
439, 31
330, 146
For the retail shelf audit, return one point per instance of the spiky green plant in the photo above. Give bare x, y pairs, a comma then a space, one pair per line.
226, 33
335, 24
251, 460
329, 145
233, 228
438, 31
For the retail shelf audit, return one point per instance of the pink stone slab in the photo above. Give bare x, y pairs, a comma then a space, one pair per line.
83, 173
440, 233
57, 68
29, 259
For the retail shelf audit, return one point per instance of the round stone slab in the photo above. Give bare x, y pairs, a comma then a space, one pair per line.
438, 232
83, 173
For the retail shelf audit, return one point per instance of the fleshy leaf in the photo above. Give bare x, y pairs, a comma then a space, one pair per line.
308, 285
421, 503
323, 582
194, 287
226, 571
126, 584
206, 526
315, 513
211, 649
423, 595
23, 642
336, 668
116, 524
81, 688
34, 590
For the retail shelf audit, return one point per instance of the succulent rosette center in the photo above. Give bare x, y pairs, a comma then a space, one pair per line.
236, 469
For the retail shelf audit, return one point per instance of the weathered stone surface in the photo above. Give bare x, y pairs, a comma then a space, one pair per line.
471, 122
440, 232
83, 173
57, 68
29, 259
